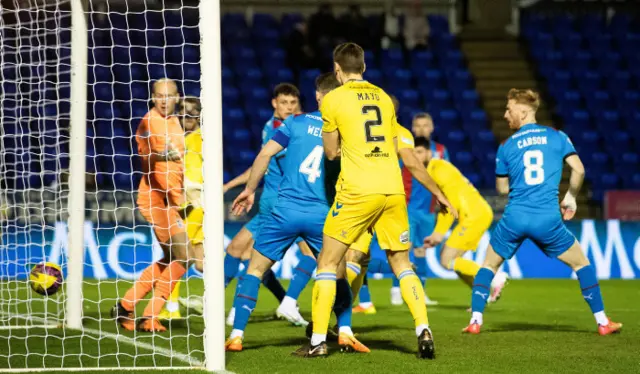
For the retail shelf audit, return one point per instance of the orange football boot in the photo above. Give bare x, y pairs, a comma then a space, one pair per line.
473, 328
233, 344
349, 344
609, 328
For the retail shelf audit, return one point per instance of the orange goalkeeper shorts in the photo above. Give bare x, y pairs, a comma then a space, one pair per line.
165, 219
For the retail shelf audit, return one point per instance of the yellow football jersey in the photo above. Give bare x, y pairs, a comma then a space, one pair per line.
193, 157
365, 117
460, 192
405, 138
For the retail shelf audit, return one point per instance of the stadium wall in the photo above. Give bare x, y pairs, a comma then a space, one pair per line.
119, 251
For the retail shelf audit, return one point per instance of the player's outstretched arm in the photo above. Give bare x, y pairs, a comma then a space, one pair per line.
244, 201
418, 171
568, 206
237, 181
331, 143
502, 185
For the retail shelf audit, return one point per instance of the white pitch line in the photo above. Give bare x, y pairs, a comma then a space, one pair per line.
192, 362
69, 370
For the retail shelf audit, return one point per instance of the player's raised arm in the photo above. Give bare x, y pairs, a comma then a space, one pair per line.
244, 201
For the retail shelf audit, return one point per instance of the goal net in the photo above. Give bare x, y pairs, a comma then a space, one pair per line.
130, 45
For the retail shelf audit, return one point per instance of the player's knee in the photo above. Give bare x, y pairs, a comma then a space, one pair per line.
355, 256
234, 250
446, 258
398, 260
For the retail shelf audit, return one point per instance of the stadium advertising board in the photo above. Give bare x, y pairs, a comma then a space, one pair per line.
122, 252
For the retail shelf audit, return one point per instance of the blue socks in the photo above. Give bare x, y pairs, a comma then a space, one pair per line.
590, 288
246, 299
481, 290
230, 268
342, 305
301, 275
395, 282
273, 284
364, 295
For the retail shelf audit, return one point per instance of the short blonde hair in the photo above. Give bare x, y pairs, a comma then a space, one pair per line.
525, 96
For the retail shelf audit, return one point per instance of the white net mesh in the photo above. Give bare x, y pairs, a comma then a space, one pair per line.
131, 44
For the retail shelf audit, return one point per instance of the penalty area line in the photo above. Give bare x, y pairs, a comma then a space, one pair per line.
192, 362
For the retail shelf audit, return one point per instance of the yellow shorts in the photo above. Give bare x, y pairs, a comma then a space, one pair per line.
363, 242
194, 225
351, 216
468, 232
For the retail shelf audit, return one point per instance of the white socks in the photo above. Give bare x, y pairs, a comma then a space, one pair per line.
318, 338
476, 317
421, 328
289, 303
345, 330
601, 318
172, 306
236, 333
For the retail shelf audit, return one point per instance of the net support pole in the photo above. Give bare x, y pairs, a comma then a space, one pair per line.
77, 154
211, 98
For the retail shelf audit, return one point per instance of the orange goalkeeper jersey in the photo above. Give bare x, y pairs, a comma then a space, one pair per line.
156, 135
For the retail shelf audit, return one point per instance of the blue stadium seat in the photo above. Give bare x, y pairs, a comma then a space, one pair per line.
608, 120
589, 81
370, 60
438, 24
634, 183
233, 118
257, 95
421, 59
230, 97
240, 138
462, 159
570, 43
453, 59
392, 59
604, 182
447, 119
374, 76
587, 141
468, 100
619, 81
264, 21
409, 98
628, 163
279, 76
398, 79
617, 141
430, 79
475, 120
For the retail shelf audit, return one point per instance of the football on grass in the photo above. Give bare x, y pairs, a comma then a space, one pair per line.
45, 278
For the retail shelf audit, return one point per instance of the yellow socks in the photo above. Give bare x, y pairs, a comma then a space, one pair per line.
413, 295
466, 269
324, 295
353, 270
175, 294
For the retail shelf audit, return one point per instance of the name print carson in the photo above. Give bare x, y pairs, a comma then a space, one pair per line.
534, 140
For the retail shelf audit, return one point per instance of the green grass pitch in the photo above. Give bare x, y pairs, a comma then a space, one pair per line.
540, 326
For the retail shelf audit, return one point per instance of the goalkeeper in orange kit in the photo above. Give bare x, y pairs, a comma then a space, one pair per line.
160, 141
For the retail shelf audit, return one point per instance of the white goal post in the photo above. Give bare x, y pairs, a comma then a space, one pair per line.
62, 67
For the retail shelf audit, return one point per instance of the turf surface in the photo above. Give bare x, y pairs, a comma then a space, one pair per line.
539, 326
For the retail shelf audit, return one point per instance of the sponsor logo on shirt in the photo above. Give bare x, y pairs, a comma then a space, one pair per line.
376, 152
